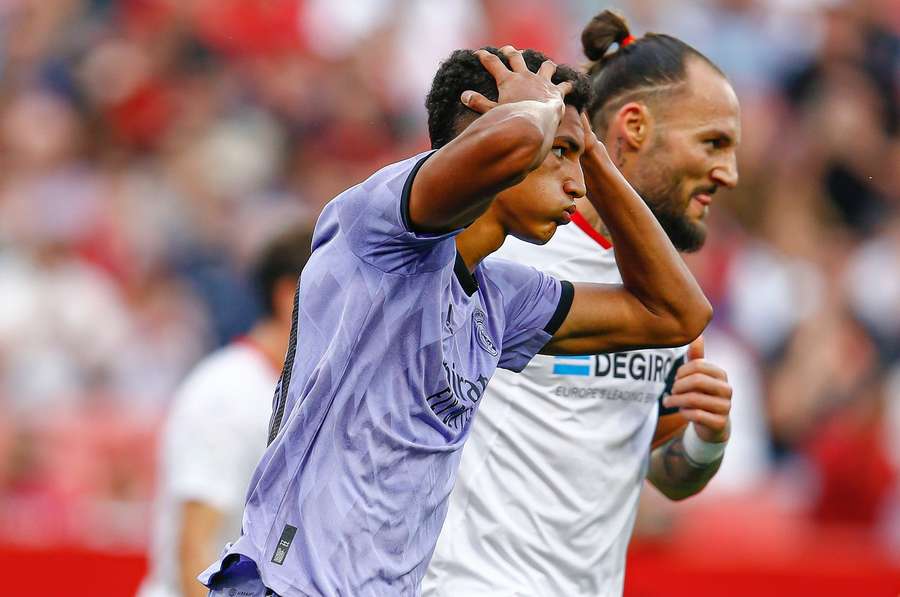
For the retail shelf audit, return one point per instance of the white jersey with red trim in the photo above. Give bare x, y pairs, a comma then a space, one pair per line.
549, 483
213, 437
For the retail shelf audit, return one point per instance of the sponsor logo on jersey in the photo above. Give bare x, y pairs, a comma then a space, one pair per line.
455, 404
637, 366
572, 365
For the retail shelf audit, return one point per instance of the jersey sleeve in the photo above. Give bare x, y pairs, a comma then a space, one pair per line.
535, 304
375, 219
206, 443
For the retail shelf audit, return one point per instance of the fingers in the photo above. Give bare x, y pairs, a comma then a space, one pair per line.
593, 147
476, 102
695, 350
709, 426
698, 401
547, 69
493, 65
516, 61
701, 366
701, 382
565, 88
586, 128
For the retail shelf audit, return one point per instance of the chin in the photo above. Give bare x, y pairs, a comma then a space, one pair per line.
691, 239
538, 236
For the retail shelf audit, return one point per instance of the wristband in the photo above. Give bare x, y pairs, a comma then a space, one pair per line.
700, 451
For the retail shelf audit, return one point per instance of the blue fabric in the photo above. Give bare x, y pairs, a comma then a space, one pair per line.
238, 578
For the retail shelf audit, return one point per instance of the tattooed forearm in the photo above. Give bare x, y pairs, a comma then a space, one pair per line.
676, 475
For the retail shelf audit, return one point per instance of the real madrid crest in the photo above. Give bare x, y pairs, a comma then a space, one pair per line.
481, 335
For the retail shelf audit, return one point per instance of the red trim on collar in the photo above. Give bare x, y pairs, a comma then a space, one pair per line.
601, 240
252, 344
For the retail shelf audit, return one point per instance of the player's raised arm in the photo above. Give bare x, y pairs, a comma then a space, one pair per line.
511, 138
659, 303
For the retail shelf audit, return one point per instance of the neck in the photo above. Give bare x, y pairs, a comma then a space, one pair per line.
484, 236
271, 337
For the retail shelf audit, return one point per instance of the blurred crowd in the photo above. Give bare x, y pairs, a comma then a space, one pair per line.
148, 147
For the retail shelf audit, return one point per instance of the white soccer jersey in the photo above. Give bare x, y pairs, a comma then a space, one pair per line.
215, 433
549, 483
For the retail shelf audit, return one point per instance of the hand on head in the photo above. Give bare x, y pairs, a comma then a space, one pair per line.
516, 83
591, 142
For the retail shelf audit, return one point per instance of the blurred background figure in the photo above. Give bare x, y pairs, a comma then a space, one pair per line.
216, 430
148, 148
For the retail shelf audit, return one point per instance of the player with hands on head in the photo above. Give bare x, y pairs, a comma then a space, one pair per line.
400, 320
547, 492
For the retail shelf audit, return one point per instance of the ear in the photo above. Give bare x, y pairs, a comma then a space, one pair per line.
632, 124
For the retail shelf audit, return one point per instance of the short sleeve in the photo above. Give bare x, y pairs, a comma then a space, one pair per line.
374, 217
534, 303
206, 443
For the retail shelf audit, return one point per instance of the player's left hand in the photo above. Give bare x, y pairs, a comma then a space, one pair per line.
703, 394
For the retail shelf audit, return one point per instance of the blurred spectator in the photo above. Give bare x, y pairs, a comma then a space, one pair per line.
216, 431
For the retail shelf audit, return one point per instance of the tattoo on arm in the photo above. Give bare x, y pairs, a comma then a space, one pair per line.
676, 475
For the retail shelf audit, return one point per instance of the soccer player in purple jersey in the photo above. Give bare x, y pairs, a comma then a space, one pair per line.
397, 332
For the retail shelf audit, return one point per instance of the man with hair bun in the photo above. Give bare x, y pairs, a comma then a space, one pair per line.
548, 489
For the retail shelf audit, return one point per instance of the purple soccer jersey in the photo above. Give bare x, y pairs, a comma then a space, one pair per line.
393, 344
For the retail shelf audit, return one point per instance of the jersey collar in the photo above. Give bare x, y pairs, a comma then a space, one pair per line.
601, 240
465, 277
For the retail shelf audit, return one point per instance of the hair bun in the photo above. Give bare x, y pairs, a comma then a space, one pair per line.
603, 31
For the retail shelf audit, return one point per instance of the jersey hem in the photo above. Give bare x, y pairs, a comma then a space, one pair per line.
407, 191
566, 295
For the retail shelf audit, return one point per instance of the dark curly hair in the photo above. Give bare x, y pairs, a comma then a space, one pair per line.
462, 71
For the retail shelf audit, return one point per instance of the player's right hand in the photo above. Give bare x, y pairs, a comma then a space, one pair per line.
517, 83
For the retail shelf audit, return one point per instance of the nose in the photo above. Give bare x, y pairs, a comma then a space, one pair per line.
574, 185
726, 172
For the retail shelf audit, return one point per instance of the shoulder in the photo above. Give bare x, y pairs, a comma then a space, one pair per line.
504, 275
372, 219
392, 180
523, 291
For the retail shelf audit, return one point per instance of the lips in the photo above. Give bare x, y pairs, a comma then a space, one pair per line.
567, 214
703, 199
